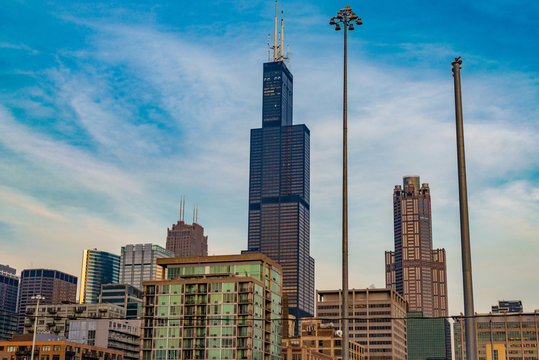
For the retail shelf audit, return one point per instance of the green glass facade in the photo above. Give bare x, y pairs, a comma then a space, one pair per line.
428, 338
228, 307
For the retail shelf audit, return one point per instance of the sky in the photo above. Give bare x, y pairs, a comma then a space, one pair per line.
110, 112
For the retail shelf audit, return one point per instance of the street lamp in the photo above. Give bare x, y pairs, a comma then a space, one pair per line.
36, 297
347, 18
469, 321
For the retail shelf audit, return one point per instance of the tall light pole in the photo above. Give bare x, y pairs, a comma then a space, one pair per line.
346, 17
469, 323
36, 297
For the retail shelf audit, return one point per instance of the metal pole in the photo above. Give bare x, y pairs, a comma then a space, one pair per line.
38, 297
345, 211
471, 344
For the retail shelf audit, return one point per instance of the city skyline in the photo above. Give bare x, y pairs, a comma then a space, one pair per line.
103, 124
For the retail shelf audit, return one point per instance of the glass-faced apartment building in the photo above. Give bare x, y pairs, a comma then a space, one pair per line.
98, 268
215, 307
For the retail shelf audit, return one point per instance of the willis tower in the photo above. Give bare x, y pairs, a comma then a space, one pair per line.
279, 186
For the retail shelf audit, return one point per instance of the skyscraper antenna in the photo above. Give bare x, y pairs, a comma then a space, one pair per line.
183, 209
275, 34
281, 51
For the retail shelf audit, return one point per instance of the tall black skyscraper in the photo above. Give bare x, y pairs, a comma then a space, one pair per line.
279, 189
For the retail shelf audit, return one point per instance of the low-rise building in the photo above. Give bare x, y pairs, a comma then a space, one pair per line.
428, 338
507, 306
503, 336
123, 335
125, 295
293, 349
55, 319
56, 350
323, 339
377, 320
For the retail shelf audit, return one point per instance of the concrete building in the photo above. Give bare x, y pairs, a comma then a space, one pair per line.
293, 349
138, 263
322, 339
187, 239
123, 335
98, 268
55, 319
414, 269
214, 307
377, 320
428, 338
507, 306
504, 336
57, 350
9, 287
55, 286
124, 295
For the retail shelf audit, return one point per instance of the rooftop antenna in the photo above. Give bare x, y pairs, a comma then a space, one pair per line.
194, 215
181, 202
183, 209
275, 34
281, 47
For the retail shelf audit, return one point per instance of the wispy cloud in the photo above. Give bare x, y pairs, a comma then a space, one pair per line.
143, 114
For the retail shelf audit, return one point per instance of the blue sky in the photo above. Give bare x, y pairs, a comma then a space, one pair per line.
109, 112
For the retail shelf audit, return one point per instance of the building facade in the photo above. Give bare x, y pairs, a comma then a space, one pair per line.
98, 267
414, 269
503, 336
122, 335
322, 338
55, 286
507, 306
187, 240
377, 320
56, 319
138, 263
9, 287
215, 307
124, 295
428, 338
57, 350
279, 190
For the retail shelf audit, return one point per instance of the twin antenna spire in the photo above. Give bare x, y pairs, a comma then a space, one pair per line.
278, 47
182, 211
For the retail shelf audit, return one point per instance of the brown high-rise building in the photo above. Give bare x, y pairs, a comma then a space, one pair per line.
187, 240
414, 269
54, 286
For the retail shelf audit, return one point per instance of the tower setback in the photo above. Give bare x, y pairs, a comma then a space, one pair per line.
416, 270
279, 190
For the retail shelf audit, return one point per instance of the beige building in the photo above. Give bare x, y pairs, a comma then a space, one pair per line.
508, 336
294, 350
56, 350
377, 320
324, 339
55, 319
